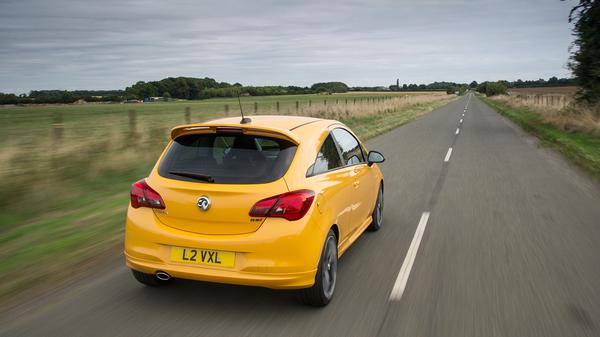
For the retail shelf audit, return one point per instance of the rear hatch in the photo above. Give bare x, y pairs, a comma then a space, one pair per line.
210, 180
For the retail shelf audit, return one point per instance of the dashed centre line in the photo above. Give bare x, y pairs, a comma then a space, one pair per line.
448, 154
404, 273
457, 131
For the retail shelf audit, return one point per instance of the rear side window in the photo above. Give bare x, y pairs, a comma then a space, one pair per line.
327, 159
227, 159
351, 151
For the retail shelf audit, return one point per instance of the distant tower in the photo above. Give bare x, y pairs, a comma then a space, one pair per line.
398, 83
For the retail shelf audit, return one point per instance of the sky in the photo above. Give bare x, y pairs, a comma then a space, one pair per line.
111, 44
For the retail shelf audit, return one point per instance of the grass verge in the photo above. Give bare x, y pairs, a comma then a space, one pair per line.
581, 148
41, 249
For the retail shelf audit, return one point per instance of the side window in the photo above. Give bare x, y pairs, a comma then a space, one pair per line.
328, 157
351, 150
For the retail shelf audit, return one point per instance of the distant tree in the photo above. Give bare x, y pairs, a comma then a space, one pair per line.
585, 59
518, 84
8, 99
331, 87
493, 88
166, 95
182, 89
481, 87
504, 83
473, 85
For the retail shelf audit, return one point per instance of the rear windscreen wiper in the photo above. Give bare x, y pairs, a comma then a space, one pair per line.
193, 175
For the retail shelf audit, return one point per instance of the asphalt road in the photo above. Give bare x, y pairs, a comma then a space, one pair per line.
510, 247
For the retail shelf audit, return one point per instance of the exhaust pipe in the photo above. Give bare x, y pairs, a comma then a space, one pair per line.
161, 275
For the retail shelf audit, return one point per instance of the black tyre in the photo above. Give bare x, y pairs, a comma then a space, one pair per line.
377, 212
148, 279
322, 291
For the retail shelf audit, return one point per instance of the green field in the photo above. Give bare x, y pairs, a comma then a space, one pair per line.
63, 195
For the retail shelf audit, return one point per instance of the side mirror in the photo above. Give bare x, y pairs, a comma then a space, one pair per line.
375, 157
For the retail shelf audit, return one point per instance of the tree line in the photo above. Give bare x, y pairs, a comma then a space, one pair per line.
501, 87
203, 88
191, 88
62, 96
188, 88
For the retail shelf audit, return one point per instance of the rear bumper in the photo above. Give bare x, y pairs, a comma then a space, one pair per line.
281, 254
274, 281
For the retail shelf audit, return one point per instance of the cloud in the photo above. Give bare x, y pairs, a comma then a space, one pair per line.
111, 44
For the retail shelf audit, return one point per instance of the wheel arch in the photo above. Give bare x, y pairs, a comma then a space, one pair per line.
336, 231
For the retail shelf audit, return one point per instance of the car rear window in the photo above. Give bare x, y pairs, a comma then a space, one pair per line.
227, 159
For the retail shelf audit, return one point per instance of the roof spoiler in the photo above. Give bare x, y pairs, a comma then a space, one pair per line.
248, 129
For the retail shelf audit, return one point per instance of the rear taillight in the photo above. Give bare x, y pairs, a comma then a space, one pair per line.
143, 195
291, 206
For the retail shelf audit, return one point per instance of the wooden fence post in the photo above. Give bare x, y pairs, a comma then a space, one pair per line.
277, 106
58, 127
297, 106
255, 108
188, 115
226, 109
309, 102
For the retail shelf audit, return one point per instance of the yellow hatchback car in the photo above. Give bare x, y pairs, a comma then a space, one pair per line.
270, 201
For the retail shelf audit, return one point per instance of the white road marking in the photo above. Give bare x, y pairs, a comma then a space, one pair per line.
404, 273
463, 115
457, 131
448, 154
461, 120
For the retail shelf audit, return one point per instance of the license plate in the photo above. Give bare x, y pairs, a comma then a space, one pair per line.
202, 256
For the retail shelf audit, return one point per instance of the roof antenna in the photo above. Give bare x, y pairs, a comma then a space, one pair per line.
244, 119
